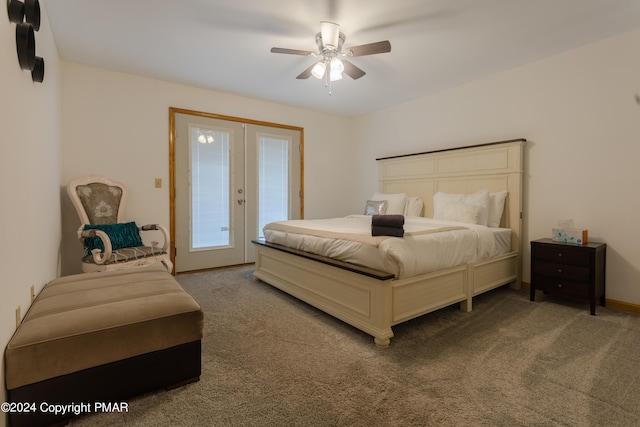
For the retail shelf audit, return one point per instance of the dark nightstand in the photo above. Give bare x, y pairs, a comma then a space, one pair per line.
569, 270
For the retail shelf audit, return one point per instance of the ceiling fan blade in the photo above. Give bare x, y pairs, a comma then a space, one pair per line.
369, 49
306, 73
291, 51
351, 70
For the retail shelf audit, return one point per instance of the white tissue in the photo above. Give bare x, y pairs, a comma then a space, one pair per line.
565, 223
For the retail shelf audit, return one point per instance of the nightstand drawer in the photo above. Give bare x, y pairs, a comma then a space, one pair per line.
564, 271
566, 287
563, 254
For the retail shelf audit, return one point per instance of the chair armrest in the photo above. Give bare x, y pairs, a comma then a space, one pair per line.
98, 256
164, 231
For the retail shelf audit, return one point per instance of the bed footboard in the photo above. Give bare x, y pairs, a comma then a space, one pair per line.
354, 298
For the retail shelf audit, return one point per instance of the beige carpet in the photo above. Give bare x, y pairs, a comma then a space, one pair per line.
271, 360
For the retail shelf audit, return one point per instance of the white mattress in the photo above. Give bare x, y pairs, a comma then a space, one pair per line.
424, 248
503, 240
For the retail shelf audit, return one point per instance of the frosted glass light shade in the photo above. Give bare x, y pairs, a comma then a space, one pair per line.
318, 70
337, 67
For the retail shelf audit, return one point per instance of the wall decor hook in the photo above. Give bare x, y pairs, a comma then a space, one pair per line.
26, 46
26, 15
32, 13
37, 74
15, 9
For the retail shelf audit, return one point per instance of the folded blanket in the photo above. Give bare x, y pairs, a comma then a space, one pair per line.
396, 221
387, 225
380, 230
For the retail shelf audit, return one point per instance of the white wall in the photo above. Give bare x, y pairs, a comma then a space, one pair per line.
578, 112
117, 125
29, 177
576, 109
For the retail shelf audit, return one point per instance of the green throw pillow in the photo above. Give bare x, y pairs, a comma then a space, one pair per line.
123, 235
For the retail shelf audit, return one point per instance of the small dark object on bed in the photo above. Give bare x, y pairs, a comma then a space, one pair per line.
396, 221
387, 231
387, 225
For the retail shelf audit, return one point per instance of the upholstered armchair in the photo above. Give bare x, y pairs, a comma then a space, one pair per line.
111, 244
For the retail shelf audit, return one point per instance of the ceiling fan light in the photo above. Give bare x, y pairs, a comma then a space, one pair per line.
336, 69
318, 70
337, 65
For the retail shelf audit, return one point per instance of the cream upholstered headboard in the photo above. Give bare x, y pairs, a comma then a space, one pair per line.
497, 166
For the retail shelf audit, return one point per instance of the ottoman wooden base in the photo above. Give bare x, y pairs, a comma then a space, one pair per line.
111, 383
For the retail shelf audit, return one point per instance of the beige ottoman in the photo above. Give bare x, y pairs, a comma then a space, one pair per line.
102, 337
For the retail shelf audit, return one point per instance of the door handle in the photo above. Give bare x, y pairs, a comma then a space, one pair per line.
241, 201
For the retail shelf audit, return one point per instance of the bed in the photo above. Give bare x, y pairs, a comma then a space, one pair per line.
375, 297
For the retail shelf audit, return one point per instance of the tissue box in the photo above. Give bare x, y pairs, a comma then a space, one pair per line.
570, 235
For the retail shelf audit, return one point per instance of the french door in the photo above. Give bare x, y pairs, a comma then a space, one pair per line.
230, 177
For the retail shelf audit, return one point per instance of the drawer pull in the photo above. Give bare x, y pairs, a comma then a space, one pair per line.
559, 254
560, 270
559, 285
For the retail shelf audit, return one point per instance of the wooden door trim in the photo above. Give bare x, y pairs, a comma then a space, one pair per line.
172, 173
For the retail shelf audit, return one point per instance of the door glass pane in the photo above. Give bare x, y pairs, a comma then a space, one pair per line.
273, 180
210, 213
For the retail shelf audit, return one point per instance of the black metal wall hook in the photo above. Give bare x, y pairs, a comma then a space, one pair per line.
26, 46
15, 9
32, 13
37, 74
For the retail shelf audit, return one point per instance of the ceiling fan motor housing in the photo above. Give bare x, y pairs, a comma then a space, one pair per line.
327, 49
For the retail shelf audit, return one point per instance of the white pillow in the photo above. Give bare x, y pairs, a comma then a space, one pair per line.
480, 198
461, 212
395, 202
413, 206
496, 207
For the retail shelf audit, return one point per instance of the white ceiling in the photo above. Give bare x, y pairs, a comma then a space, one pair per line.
225, 45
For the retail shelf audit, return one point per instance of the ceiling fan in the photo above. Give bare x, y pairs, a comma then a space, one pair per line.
330, 49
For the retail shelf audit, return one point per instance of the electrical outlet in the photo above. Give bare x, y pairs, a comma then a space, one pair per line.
18, 317
158, 182
33, 293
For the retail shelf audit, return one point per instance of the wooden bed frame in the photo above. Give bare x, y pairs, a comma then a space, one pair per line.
374, 301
